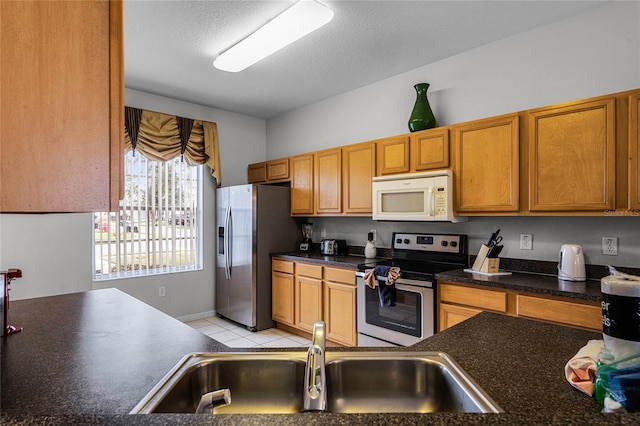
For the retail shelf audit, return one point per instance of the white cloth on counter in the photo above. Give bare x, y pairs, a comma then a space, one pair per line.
580, 371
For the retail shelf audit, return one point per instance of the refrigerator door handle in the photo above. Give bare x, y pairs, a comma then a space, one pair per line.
227, 243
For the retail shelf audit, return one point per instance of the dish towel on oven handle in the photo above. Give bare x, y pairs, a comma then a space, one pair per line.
386, 293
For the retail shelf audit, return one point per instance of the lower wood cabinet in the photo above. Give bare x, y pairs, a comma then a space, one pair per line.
564, 312
458, 302
304, 293
340, 305
450, 315
282, 291
308, 295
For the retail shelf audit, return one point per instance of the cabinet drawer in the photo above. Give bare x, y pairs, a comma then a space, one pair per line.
307, 270
577, 314
280, 265
345, 276
478, 298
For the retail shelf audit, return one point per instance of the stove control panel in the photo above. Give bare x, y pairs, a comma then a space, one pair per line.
442, 243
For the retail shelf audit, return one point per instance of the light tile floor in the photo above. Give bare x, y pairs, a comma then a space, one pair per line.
237, 336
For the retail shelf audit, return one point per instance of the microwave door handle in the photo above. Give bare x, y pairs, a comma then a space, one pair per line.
430, 201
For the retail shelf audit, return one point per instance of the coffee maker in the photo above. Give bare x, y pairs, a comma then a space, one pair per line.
307, 232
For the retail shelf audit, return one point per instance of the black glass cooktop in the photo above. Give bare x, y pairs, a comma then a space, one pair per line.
413, 269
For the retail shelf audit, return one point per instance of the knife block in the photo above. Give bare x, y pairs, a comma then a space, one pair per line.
484, 263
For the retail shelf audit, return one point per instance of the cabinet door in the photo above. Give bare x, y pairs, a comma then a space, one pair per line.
430, 149
572, 157
278, 170
340, 313
302, 185
257, 173
634, 152
62, 106
358, 168
487, 165
328, 181
308, 302
282, 297
451, 315
393, 155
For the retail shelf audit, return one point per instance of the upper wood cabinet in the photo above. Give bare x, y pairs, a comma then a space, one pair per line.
430, 149
302, 185
486, 173
257, 172
419, 151
358, 170
393, 155
328, 181
572, 157
269, 171
62, 106
278, 170
634, 151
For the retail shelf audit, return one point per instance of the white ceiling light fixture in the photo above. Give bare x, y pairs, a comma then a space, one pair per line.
294, 23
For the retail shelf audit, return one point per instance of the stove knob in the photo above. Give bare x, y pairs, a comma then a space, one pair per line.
399, 241
454, 244
406, 241
444, 244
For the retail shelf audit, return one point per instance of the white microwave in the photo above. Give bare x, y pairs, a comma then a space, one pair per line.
425, 196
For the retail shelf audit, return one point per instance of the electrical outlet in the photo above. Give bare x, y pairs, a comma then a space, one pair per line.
610, 246
162, 291
375, 234
323, 232
526, 241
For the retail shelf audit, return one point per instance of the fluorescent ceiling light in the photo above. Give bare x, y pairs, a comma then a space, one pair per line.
294, 23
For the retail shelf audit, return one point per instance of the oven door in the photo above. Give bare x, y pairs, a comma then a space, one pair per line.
410, 320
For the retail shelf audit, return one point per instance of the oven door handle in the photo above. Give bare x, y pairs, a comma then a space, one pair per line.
402, 281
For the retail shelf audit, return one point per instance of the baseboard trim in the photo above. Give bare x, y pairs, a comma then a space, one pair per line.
194, 317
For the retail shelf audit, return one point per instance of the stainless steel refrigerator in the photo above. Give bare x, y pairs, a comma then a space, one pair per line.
252, 222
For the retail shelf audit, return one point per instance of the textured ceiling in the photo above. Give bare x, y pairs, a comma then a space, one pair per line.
170, 46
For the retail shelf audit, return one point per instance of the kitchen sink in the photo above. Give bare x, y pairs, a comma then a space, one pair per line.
357, 382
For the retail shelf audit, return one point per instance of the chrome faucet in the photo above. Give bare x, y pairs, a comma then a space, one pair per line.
315, 383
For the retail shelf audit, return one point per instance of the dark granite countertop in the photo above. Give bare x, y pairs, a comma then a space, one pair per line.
529, 282
344, 261
88, 358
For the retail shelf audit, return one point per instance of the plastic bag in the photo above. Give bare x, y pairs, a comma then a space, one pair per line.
619, 381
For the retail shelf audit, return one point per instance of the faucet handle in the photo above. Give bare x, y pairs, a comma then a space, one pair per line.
319, 334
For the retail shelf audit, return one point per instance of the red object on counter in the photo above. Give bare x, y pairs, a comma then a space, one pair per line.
8, 275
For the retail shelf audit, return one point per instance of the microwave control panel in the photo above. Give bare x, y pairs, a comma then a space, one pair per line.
440, 201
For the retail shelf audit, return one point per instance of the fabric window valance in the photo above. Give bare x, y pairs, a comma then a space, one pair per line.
162, 137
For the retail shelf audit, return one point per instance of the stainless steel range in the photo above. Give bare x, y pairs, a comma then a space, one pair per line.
407, 313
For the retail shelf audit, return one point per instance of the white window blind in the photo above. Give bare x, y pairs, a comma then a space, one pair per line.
158, 227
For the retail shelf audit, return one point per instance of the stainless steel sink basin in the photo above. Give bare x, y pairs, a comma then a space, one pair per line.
357, 382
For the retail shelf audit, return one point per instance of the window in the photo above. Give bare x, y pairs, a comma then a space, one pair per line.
159, 226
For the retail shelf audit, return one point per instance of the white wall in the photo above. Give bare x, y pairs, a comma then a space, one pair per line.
54, 250
591, 54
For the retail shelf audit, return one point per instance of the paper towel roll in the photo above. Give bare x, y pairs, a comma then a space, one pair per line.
621, 313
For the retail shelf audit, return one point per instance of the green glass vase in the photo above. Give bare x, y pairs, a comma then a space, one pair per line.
421, 117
